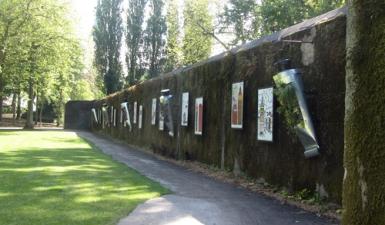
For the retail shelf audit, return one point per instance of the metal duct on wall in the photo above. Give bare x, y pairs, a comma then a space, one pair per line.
165, 106
124, 107
304, 129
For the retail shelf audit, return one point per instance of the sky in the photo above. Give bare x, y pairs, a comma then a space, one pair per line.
84, 15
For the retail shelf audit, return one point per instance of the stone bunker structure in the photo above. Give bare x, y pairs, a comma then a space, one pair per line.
316, 46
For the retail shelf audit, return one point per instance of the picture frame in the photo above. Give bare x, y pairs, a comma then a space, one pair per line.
265, 114
184, 109
237, 105
198, 124
153, 111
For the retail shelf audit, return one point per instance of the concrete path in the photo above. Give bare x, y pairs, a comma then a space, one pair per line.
198, 199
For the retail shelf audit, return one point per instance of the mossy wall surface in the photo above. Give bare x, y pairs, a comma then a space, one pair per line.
281, 162
78, 115
364, 160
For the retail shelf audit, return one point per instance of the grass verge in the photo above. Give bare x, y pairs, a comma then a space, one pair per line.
55, 177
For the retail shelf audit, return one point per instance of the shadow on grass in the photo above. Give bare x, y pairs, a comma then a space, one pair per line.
68, 186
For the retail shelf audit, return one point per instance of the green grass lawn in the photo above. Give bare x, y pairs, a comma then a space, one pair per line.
55, 177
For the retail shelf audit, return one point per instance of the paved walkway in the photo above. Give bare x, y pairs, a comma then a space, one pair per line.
198, 199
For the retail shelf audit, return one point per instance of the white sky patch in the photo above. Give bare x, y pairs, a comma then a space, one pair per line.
83, 15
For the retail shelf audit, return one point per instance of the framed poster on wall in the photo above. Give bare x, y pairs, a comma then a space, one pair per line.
265, 114
140, 117
198, 128
153, 111
184, 119
237, 105
94, 115
135, 112
161, 117
125, 115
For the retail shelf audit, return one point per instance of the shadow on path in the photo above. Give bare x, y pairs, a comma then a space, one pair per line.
198, 199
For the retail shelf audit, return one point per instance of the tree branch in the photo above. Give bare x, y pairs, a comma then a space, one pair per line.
212, 34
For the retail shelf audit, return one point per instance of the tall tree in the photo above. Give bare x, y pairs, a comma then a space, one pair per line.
14, 14
364, 155
197, 21
173, 48
279, 14
154, 37
242, 18
134, 39
49, 54
107, 34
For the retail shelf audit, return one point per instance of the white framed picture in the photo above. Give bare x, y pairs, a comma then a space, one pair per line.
184, 115
125, 115
265, 114
135, 112
94, 115
153, 112
198, 128
140, 123
237, 105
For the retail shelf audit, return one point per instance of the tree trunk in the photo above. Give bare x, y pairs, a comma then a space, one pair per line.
29, 124
14, 107
18, 111
364, 156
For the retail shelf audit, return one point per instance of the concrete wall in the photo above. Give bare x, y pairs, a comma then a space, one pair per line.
78, 115
281, 162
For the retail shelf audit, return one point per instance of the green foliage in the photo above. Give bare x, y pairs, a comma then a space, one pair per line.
288, 105
154, 38
197, 21
57, 178
107, 35
279, 14
82, 91
173, 49
41, 56
242, 18
305, 195
134, 40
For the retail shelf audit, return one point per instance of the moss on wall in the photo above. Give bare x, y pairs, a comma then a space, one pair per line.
364, 160
281, 162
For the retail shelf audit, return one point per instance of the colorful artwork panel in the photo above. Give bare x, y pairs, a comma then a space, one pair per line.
237, 105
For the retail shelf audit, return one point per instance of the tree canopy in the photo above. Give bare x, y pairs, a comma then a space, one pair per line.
40, 53
107, 34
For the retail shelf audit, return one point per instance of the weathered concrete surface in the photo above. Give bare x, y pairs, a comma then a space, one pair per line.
197, 199
78, 115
